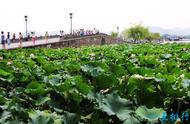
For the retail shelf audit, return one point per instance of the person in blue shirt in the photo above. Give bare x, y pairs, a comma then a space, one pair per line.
3, 39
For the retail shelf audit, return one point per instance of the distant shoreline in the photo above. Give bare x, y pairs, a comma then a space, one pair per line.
181, 41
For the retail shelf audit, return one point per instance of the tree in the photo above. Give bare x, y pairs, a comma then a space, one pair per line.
153, 36
136, 32
114, 34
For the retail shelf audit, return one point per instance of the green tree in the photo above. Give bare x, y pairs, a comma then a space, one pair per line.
114, 34
153, 36
136, 32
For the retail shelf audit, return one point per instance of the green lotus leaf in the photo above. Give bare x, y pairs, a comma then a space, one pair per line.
113, 104
93, 71
118, 70
53, 79
145, 90
42, 100
106, 81
4, 116
4, 73
166, 56
36, 88
70, 118
186, 83
44, 117
151, 115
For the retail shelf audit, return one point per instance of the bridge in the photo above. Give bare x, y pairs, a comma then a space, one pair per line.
98, 39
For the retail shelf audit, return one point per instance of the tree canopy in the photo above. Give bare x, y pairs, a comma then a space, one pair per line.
139, 32
114, 34
153, 36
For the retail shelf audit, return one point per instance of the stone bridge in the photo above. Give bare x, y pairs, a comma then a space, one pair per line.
88, 40
98, 39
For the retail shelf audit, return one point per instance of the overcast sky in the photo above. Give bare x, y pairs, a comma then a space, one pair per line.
106, 15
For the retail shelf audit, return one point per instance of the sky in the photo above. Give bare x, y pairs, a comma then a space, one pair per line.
105, 15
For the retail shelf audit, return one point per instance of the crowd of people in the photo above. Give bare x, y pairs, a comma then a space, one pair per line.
80, 32
83, 32
9, 38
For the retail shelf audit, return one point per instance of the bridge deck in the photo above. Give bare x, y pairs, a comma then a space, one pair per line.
30, 43
66, 42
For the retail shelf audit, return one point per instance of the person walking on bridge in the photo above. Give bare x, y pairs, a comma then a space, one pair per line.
28, 37
46, 36
20, 38
3, 39
33, 38
8, 39
13, 38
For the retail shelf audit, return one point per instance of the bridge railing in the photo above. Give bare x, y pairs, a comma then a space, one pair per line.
25, 39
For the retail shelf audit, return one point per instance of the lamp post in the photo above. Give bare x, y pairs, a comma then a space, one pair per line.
71, 16
118, 31
26, 19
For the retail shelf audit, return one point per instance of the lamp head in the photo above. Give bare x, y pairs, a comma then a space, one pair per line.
25, 17
71, 14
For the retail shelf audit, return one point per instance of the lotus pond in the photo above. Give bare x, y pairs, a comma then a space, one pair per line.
111, 84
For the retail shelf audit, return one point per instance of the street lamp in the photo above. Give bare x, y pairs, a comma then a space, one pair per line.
26, 19
118, 31
71, 16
